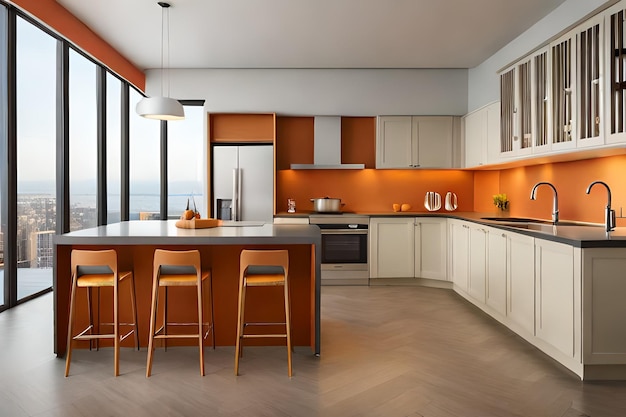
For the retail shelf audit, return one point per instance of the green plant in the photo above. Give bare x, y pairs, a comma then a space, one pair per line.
501, 201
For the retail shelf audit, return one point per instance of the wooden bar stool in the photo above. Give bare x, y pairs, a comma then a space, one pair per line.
262, 268
96, 269
179, 269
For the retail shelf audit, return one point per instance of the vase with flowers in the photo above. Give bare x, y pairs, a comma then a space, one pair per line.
501, 201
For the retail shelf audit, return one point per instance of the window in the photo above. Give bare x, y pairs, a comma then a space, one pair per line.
3, 147
114, 147
186, 169
145, 166
36, 163
83, 142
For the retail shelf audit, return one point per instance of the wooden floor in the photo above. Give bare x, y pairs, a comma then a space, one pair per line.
386, 351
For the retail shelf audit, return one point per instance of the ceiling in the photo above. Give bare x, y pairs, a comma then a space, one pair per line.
312, 34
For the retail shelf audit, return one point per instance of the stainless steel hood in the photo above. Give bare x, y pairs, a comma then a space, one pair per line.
327, 146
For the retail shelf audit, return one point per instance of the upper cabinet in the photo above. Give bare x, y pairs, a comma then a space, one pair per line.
616, 75
590, 70
405, 142
482, 135
569, 95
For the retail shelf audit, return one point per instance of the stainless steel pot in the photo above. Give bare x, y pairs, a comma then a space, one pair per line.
326, 205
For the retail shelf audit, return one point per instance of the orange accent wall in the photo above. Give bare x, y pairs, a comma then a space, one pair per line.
571, 180
371, 190
61, 20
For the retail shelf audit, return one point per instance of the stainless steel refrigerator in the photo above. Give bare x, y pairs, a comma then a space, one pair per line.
243, 182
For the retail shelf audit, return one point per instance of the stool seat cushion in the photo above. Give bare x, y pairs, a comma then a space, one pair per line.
100, 280
181, 280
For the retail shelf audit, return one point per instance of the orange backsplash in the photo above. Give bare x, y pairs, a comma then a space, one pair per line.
375, 191
571, 180
371, 190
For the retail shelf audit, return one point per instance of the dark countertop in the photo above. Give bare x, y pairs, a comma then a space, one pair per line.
147, 232
577, 234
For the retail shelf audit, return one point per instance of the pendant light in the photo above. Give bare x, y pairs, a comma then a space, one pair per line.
163, 107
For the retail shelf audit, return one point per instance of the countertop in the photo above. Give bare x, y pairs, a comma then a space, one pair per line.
585, 235
146, 232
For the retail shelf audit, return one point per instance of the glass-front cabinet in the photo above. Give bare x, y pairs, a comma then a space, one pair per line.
569, 94
563, 76
590, 66
616, 75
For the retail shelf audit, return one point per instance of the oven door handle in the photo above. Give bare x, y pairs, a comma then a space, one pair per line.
344, 231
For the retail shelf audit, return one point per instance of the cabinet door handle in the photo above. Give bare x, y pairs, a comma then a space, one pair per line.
503, 235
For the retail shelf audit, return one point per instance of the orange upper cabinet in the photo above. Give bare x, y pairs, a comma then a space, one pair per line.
241, 128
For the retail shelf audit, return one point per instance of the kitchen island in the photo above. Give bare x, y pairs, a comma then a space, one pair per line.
135, 242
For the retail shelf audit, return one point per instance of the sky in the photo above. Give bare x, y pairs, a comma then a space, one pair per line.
36, 106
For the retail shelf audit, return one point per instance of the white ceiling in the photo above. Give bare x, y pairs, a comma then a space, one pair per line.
312, 34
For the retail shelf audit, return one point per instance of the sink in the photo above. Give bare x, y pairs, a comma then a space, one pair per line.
513, 219
534, 224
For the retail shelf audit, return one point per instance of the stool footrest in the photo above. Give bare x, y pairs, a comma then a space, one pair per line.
254, 336
94, 336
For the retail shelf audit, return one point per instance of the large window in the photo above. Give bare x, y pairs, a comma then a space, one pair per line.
3, 147
145, 150
36, 164
185, 168
113, 147
83, 142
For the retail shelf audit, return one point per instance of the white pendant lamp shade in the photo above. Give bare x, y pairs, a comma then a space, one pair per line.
160, 108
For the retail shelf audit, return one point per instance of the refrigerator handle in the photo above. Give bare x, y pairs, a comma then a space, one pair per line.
235, 202
239, 196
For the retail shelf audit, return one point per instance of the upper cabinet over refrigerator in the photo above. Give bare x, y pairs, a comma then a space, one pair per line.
242, 180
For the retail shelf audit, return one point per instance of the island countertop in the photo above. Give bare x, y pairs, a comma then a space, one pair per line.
135, 242
144, 232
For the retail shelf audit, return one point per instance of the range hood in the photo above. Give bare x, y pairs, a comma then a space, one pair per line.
327, 145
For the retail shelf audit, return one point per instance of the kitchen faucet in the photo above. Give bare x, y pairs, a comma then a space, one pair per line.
609, 215
555, 200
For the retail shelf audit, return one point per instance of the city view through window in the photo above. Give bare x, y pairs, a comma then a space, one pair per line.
36, 102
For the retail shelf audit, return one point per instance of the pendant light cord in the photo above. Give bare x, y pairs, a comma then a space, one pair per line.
165, 41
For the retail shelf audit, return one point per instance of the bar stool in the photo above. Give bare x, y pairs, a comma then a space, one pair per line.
179, 269
262, 268
95, 269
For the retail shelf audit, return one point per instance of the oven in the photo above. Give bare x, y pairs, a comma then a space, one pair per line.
344, 248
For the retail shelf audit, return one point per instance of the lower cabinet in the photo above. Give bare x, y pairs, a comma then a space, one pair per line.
557, 296
495, 296
604, 290
408, 247
477, 262
431, 248
392, 247
521, 281
458, 253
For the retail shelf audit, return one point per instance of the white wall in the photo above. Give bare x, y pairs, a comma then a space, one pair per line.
348, 92
483, 84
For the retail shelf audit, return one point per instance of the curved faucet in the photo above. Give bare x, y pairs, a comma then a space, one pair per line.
609, 215
555, 200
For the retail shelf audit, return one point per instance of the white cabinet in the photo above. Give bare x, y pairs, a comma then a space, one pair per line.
458, 252
431, 248
391, 247
415, 142
408, 247
604, 288
521, 281
496, 270
482, 136
477, 262
467, 251
557, 296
